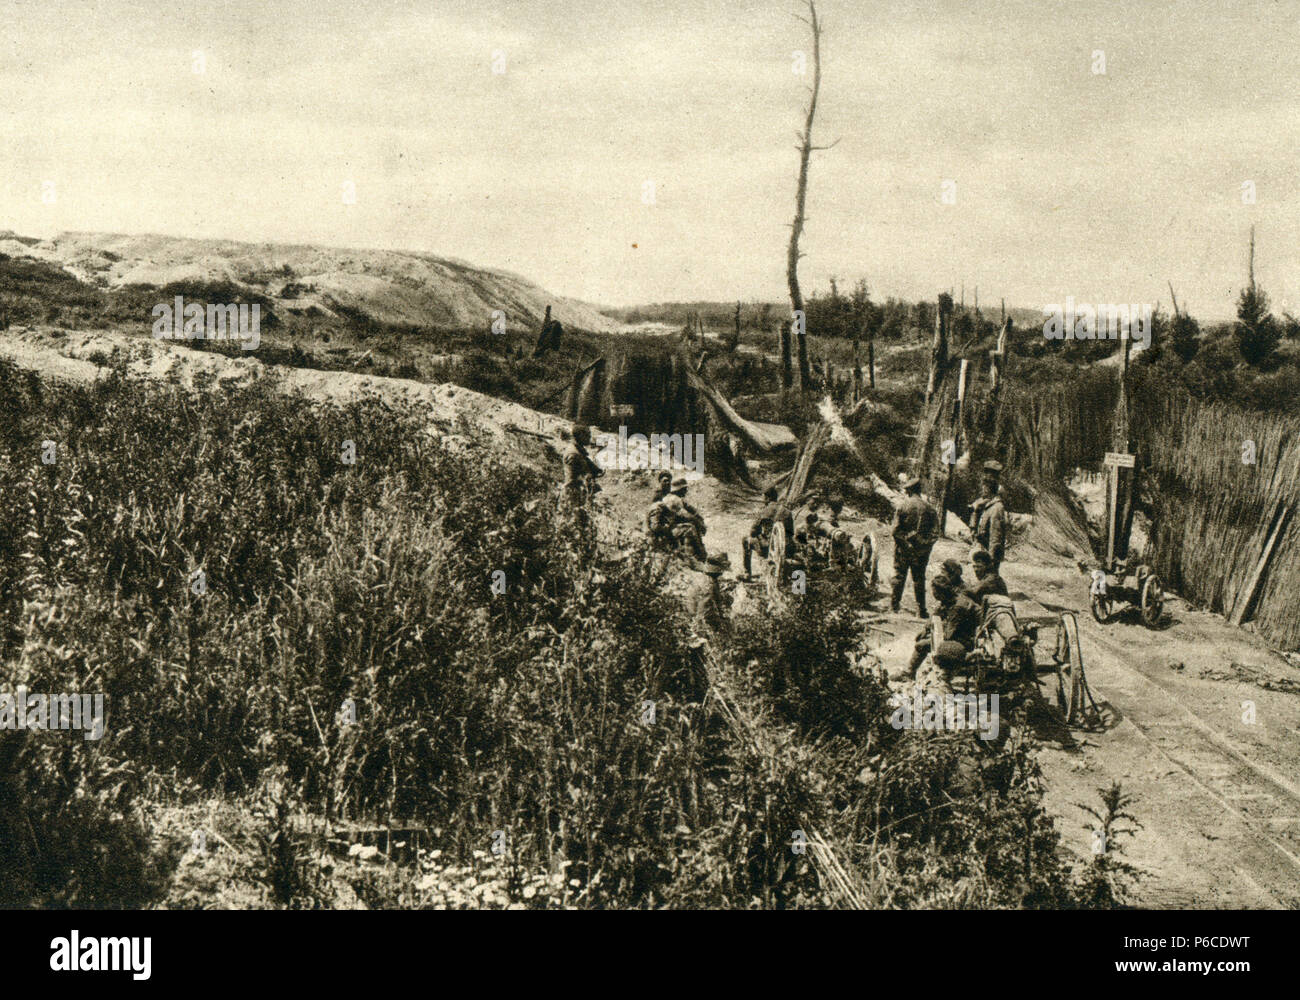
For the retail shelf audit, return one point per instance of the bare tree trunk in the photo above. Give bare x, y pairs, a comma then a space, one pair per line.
796, 229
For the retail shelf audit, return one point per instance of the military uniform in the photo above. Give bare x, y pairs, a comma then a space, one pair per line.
961, 622
989, 583
704, 605
580, 474
686, 524
988, 524
915, 528
757, 539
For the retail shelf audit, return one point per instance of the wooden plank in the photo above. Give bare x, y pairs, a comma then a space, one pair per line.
1245, 604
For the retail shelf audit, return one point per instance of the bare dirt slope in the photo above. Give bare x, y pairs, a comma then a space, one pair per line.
1203, 719
391, 286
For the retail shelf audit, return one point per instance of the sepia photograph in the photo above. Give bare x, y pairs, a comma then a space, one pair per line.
663, 455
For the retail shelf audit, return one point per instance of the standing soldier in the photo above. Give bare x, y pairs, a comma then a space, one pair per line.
580, 474
988, 520
760, 531
709, 619
658, 519
916, 526
704, 601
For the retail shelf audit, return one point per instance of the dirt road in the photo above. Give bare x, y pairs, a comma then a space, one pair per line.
1218, 797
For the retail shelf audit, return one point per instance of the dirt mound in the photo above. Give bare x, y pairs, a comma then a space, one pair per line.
388, 286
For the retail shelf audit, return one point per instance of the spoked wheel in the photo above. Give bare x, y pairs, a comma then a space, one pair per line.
1069, 666
1152, 601
776, 560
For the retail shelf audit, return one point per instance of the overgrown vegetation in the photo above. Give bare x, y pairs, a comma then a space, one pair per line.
346, 657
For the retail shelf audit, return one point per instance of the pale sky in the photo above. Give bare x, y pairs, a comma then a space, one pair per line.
1068, 182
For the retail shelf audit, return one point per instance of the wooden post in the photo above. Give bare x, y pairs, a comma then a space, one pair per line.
1247, 598
1114, 461
938, 352
956, 444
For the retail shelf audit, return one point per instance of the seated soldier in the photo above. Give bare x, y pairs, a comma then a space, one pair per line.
761, 530
961, 622
658, 525
687, 524
987, 580
816, 532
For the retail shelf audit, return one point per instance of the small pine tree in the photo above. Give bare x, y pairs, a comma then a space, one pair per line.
1184, 332
1257, 332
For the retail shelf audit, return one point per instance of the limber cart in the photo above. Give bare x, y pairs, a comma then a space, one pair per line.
1115, 582
1141, 589
1008, 661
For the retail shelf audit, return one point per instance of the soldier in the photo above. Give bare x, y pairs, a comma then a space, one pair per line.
580, 471
706, 608
916, 526
686, 525
705, 602
837, 539
987, 580
961, 622
760, 530
814, 535
658, 519
988, 520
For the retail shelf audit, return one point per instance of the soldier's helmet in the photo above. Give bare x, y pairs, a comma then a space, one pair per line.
665, 478
952, 570
679, 485
980, 556
836, 505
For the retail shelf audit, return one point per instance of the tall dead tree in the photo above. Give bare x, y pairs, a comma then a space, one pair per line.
806, 148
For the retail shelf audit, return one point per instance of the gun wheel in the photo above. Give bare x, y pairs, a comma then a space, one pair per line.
1069, 666
1152, 601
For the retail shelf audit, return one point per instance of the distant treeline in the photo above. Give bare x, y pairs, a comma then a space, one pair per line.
832, 312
